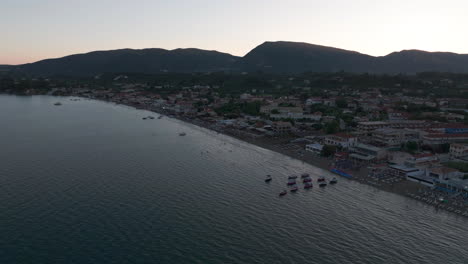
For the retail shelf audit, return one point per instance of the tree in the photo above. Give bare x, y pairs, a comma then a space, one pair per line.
341, 103
445, 147
328, 150
411, 146
332, 127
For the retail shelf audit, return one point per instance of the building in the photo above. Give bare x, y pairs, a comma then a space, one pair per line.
370, 126
439, 139
443, 173
314, 148
366, 154
423, 160
341, 139
393, 137
281, 128
458, 150
398, 116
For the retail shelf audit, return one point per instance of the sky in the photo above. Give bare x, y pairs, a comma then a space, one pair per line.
32, 30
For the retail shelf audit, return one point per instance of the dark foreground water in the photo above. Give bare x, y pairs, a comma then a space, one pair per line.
91, 182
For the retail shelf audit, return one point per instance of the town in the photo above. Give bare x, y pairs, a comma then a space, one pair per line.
404, 134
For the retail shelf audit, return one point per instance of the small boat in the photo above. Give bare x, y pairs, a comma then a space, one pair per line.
182, 134
306, 180
333, 181
323, 184
321, 179
294, 189
292, 177
291, 182
159, 117
308, 185
144, 118
283, 193
305, 175
58, 103
151, 117
268, 178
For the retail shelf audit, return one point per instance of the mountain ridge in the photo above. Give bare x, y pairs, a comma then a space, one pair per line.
270, 56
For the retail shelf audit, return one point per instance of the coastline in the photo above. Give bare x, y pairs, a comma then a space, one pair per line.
404, 187
282, 146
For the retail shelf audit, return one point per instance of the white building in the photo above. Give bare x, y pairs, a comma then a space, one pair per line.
341, 139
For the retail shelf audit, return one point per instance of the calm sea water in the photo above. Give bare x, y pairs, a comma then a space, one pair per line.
91, 182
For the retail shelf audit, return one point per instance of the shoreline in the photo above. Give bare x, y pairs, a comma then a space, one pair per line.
403, 187
282, 146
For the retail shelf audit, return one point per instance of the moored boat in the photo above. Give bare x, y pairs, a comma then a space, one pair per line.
292, 177
182, 134
333, 181
306, 180
323, 184
321, 179
268, 178
305, 175
283, 193
291, 182
308, 185
294, 189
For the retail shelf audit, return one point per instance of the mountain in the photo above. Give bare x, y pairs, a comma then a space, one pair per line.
293, 57
413, 61
130, 60
274, 57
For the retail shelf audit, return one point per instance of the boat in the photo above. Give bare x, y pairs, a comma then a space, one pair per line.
58, 103
306, 180
151, 117
291, 182
308, 185
294, 189
333, 181
341, 173
305, 175
268, 178
182, 134
323, 184
292, 177
283, 193
321, 179
159, 117
144, 118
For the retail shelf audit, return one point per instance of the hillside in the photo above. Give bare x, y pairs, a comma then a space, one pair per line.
130, 60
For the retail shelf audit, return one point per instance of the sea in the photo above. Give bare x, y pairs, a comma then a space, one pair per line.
92, 182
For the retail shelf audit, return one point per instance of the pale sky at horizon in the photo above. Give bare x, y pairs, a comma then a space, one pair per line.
32, 30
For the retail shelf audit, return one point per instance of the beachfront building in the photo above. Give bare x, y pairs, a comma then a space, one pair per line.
393, 137
281, 128
366, 154
400, 170
314, 148
423, 160
443, 173
341, 139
